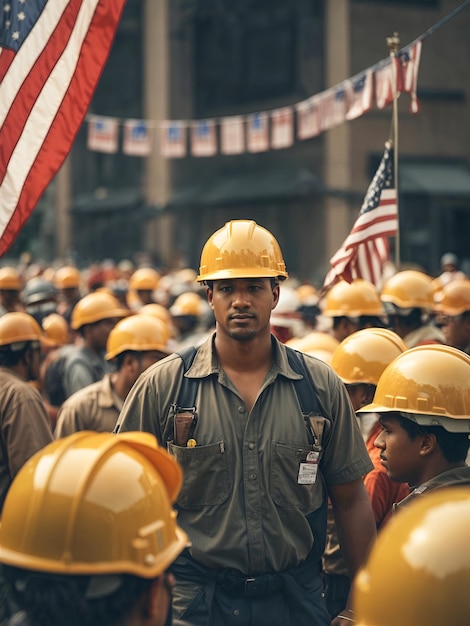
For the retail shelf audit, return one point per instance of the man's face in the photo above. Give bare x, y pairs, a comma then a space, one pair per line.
360, 395
457, 331
99, 332
242, 306
399, 454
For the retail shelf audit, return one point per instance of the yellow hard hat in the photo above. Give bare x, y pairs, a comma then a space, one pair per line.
454, 298
363, 356
307, 294
56, 328
67, 277
409, 289
355, 299
428, 384
144, 279
188, 303
16, 327
139, 333
94, 307
315, 340
418, 571
94, 503
241, 249
157, 310
10, 279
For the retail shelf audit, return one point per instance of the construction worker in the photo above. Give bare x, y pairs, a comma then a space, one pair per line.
352, 307
408, 297
316, 343
40, 297
453, 308
68, 280
418, 572
286, 319
10, 290
359, 361
192, 319
57, 330
93, 317
135, 343
24, 424
142, 284
88, 533
449, 269
423, 399
257, 470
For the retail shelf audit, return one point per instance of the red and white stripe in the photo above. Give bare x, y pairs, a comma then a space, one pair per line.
46, 89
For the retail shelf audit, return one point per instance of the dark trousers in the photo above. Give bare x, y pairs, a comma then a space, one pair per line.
212, 598
336, 593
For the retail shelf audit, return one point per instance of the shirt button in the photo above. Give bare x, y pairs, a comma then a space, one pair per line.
253, 476
251, 446
236, 612
241, 409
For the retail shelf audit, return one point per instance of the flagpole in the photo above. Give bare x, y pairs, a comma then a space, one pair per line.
393, 46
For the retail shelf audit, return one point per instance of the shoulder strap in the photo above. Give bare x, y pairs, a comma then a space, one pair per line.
305, 388
188, 389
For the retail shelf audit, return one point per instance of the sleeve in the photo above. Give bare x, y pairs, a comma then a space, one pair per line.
27, 430
345, 454
378, 488
139, 411
68, 421
77, 375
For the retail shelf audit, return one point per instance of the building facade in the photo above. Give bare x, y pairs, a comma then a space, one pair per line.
197, 59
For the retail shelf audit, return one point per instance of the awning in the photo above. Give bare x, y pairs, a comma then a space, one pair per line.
108, 200
258, 186
434, 178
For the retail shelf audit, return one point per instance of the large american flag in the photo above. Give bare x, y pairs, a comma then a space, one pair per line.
365, 250
51, 57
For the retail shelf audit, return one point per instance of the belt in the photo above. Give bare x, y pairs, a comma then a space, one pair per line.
252, 587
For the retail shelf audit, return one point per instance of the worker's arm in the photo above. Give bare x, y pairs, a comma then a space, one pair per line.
356, 530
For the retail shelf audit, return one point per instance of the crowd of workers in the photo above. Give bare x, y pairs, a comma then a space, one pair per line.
304, 426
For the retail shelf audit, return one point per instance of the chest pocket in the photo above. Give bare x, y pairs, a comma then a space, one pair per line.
206, 476
287, 460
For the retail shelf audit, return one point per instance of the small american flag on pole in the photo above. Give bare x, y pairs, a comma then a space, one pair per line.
365, 250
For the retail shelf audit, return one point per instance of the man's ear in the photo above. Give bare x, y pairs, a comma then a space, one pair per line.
367, 394
428, 444
276, 293
209, 294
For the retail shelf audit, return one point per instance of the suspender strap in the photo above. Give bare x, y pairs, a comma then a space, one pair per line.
305, 388
188, 389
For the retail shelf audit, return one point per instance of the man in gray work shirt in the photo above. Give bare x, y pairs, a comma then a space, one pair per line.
256, 477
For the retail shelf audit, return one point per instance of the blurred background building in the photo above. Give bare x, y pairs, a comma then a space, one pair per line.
195, 59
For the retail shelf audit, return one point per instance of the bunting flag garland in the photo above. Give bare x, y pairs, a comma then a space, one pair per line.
203, 139
383, 78
308, 125
257, 132
103, 134
138, 138
359, 95
282, 128
407, 62
232, 135
261, 131
173, 140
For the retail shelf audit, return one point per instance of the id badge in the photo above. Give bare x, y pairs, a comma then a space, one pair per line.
308, 469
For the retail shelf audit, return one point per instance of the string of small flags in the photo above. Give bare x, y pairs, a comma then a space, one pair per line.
267, 130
